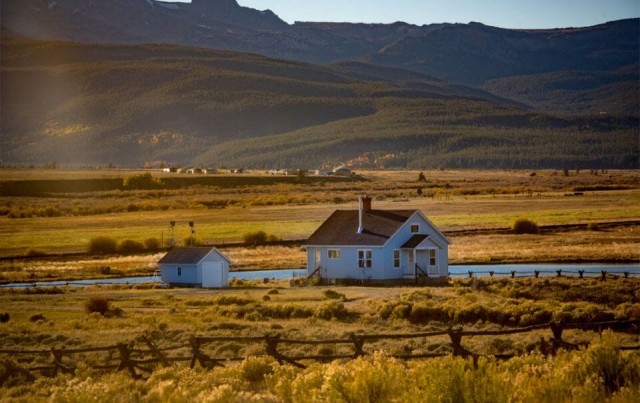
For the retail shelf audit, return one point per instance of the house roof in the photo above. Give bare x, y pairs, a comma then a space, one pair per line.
414, 241
191, 255
341, 227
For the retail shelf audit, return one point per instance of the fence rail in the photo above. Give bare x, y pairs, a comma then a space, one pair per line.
140, 360
602, 274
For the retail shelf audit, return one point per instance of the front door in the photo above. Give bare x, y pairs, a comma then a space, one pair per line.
409, 268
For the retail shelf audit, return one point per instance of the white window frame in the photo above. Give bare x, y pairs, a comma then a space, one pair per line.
365, 258
433, 257
396, 258
417, 231
333, 253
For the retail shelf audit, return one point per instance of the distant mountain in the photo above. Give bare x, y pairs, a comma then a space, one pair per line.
470, 54
88, 104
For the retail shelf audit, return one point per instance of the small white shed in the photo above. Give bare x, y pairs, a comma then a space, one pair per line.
204, 267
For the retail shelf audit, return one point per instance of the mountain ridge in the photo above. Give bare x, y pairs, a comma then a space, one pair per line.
135, 105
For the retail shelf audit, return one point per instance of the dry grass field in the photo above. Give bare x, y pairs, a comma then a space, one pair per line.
454, 200
58, 317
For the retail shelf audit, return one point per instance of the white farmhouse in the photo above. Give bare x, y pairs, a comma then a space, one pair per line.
204, 267
368, 244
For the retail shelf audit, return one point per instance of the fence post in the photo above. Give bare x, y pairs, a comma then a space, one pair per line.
125, 361
513, 274
272, 346
272, 350
456, 338
195, 350
57, 362
556, 329
358, 344
154, 349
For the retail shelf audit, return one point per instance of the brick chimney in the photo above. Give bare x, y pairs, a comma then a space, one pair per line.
364, 204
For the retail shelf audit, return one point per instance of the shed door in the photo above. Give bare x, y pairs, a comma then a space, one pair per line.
212, 274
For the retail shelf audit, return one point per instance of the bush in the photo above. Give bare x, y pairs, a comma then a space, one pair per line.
36, 317
102, 245
35, 253
129, 246
525, 226
141, 182
593, 226
256, 238
97, 303
192, 241
331, 294
4, 317
152, 243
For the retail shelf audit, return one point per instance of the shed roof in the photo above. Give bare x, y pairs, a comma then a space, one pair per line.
187, 255
341, 227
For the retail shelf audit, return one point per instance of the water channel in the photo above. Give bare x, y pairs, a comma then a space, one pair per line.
503, 270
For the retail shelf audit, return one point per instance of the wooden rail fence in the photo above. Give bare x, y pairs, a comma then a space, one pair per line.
136, 361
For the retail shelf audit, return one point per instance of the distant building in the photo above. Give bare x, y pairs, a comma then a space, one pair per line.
170, 170
373, 244
204, 267
342, 171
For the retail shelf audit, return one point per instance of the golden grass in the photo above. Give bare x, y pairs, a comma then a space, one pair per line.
619, 244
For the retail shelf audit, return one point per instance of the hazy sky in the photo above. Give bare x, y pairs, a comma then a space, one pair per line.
500, 13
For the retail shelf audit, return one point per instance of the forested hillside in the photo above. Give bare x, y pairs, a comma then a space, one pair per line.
146, 105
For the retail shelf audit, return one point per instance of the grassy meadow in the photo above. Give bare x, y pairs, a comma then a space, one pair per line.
46, 318
455, 200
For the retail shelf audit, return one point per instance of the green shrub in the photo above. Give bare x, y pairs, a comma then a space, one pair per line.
141, 182
192, 241
525, 226
330, 310
152, 243
35, 253
97, 303
102, 245
36, 317
593, 226
129, 246
331, 294
255, 238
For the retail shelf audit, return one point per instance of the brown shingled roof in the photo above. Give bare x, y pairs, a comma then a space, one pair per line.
342, 226
186, 255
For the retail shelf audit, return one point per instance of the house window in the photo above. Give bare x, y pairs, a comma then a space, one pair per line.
333, 253
179, 271
432, 257
396, 258
364, 259
415, 228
